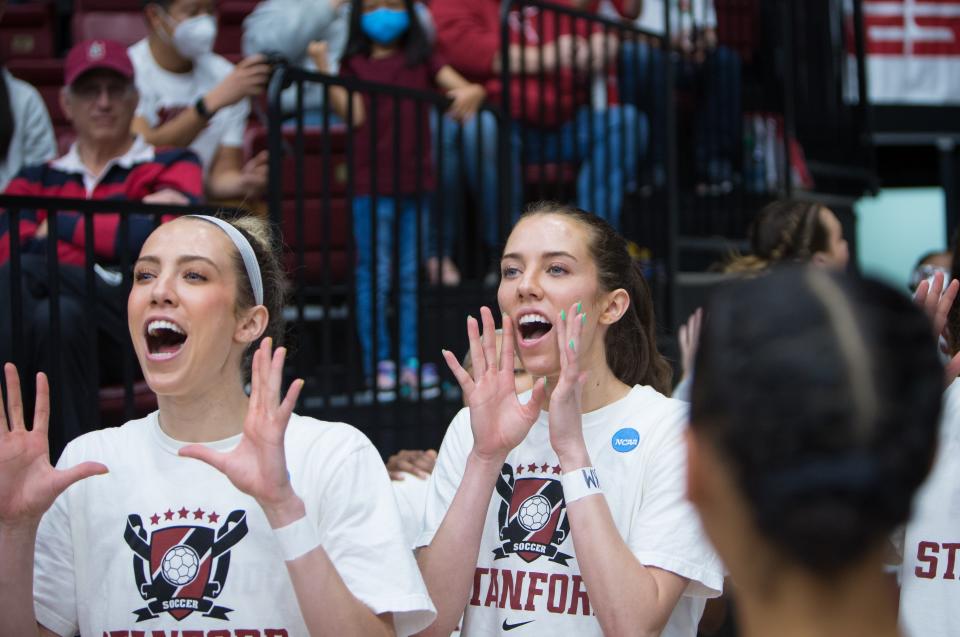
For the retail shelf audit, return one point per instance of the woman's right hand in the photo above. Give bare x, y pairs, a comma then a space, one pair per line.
498, 420
28, 483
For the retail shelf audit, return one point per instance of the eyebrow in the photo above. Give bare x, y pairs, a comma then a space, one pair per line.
546, 255
180, 260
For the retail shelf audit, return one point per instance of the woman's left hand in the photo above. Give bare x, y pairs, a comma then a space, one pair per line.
935, 300
258, 465
566, 426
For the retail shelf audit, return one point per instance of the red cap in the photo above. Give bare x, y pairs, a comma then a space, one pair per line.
97, 54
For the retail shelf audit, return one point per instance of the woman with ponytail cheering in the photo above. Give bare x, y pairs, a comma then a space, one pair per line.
528, 510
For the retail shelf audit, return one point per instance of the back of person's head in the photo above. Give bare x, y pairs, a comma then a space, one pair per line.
630, 343
784, 231
413, 40
820, 394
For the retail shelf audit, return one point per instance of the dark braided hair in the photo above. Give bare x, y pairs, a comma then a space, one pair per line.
631, 342
822, 393
784, 231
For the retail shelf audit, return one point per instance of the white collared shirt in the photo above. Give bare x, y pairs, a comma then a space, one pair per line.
139, 152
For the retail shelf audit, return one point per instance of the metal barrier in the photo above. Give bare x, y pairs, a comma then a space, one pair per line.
75, 323
358, 229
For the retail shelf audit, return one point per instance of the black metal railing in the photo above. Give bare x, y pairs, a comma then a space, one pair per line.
73, 326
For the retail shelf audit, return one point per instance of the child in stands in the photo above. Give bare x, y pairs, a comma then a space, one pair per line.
387, 46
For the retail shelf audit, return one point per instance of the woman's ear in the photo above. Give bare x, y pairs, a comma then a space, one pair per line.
252, 324
613, 306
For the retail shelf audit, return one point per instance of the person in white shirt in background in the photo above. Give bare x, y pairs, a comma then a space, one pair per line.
701, 64
190, 96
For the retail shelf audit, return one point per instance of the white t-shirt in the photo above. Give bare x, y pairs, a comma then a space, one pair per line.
163, 95
527, 570
167, 543
411, 495
931, 565
684, 16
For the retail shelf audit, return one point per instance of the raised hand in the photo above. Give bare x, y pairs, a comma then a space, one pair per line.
499, 421
416, 462
936, 302
28, 482
689, 338
258, 465
566, 427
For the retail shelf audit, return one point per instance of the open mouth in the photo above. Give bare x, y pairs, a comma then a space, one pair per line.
165, 339
533, 327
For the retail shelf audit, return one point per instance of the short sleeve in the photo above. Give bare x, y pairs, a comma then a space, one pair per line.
665, 531
361, 533
235, 126
147, 106
447, 475
54, 579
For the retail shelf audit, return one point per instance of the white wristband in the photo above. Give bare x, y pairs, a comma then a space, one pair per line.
579, 484
297, 538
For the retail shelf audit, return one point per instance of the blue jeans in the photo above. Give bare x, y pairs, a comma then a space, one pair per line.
405, 230
717, 82
474, 166
607, 145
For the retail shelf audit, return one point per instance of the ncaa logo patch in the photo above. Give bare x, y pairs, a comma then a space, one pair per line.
625, 440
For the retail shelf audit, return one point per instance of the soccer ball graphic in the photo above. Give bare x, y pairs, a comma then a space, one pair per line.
179, 566
534, 512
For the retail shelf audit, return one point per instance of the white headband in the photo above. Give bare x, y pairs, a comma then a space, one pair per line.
246, 253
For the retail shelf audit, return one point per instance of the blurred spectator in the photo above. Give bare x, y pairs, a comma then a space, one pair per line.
387, 46
709, 70
555, 120
26, 134
105, 162
190, 96
287, 27
790, 231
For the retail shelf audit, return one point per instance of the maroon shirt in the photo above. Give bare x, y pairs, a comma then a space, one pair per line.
393, 70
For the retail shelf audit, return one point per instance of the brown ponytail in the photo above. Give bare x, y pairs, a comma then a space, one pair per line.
784, 231
631, 342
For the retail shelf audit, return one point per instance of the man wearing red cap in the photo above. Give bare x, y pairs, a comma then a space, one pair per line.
105, 162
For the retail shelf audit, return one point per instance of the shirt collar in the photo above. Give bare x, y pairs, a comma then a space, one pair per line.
140, 151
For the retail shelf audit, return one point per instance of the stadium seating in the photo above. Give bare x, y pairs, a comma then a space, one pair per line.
27, 31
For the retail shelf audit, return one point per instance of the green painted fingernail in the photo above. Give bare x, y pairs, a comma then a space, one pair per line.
579, 307
563, 315
571, 345
583, 319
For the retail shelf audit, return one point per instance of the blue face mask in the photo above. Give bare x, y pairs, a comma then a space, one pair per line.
385, 26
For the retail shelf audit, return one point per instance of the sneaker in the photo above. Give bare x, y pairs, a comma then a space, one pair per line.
386, 380
442, 271
429, 382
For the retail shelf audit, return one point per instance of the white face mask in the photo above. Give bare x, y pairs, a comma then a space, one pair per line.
194, 37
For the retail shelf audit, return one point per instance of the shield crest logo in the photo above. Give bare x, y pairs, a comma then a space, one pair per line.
532, 518
182, 569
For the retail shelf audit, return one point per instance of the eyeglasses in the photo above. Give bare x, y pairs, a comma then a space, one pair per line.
89, 91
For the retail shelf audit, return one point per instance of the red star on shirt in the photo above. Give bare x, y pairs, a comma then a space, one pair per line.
213, 517
544, 467
198, 514
556, 470
532, 467
154, 519
519, 469
183, 512
168, 515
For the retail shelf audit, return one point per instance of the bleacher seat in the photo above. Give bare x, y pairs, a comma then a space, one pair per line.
126, 27
314, 240
27, 31
231, 14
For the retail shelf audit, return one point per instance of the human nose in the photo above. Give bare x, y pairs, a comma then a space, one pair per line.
163, 291
529, 284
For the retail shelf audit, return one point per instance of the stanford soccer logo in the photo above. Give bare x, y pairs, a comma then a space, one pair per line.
182, 569
532, 518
